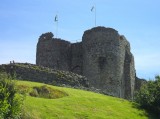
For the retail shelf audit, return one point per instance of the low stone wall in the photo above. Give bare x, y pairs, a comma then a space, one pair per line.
30, 72
139, 83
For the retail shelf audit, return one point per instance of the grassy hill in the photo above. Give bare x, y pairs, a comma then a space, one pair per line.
74, 104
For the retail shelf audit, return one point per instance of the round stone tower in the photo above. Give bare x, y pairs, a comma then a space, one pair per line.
103, 60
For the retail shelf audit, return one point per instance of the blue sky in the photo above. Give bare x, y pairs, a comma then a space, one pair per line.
23, 21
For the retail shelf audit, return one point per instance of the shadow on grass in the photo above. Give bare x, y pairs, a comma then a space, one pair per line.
147, 113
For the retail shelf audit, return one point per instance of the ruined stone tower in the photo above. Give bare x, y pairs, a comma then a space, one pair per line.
107, 62
103, 56
53, 53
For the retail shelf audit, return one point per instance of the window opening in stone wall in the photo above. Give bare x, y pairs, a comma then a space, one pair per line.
102, 61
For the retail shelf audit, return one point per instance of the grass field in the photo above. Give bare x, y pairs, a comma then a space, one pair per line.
78, 104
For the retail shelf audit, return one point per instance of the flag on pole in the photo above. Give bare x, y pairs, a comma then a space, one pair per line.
56, 18
92, 8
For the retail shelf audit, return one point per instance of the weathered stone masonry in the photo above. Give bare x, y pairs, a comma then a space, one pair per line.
30, 72
103, 56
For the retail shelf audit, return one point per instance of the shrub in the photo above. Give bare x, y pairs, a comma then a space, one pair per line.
47, 92
149, 96
10, 101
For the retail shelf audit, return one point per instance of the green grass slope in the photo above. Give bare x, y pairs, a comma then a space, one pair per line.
77, 104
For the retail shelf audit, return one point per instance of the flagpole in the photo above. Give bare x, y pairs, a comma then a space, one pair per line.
93, 9
56, 29
56, 20
95, 16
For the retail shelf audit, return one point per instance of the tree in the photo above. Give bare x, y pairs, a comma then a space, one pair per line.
149, 95
10, 101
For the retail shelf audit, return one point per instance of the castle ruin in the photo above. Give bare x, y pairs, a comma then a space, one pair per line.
103, 56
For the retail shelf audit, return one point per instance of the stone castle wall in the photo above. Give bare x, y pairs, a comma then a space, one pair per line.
103, 56
76, 58
30, 72
53, 53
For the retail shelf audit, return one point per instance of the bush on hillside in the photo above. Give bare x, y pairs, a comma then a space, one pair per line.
149, 95
47, 92
10, 101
